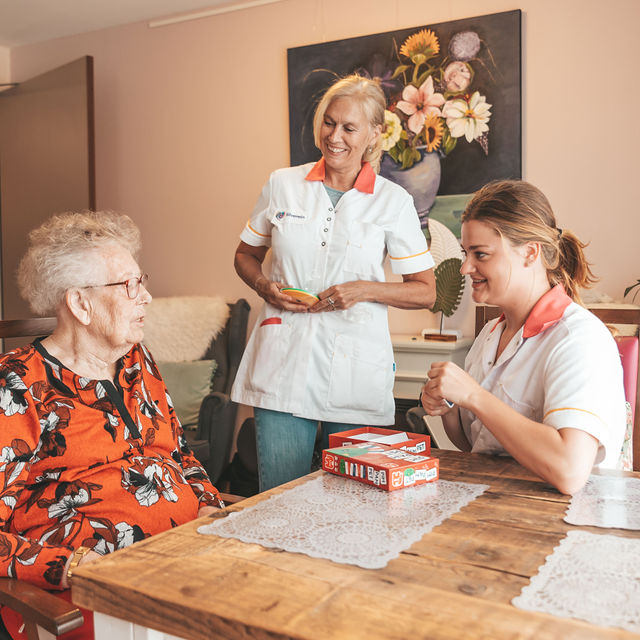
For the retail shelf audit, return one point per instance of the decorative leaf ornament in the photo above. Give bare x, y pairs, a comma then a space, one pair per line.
447, 254
449, 286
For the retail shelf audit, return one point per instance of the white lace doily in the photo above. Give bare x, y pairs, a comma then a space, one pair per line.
606, 502
346, 521
591, 577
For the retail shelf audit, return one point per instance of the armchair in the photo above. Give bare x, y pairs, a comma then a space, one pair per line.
213, 438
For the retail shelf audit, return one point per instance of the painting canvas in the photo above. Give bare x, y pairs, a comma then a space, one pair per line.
453, 92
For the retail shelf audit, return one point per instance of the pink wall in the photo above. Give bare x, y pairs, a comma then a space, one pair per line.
191, 118
4, 64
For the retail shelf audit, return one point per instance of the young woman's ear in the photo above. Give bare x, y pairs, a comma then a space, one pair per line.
531, 253
79, 305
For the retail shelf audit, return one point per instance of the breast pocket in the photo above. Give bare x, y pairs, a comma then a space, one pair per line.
365, 248
513, 398
359, 373
270, 354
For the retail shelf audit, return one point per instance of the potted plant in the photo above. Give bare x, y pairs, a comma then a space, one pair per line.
630, 288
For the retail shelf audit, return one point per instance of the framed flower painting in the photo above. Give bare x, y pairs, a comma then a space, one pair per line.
453, 91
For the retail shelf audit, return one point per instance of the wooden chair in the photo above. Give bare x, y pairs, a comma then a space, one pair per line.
610, 316
40, 609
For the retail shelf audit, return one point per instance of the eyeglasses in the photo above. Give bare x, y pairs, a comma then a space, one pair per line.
132, 285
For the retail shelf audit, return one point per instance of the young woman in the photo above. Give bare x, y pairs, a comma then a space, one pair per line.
543, 383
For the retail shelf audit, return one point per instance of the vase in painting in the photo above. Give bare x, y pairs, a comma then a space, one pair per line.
422, 180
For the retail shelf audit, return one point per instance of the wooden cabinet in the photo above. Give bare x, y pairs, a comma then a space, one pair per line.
413, 357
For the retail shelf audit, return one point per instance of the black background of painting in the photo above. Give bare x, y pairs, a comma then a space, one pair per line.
313, 68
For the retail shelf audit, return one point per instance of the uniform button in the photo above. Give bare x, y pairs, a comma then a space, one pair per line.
323, 243
328, 219
326, 229
330, 208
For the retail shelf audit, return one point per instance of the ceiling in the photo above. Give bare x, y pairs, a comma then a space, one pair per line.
29, 21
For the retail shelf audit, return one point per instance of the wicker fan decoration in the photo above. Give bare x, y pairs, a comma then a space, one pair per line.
448, 257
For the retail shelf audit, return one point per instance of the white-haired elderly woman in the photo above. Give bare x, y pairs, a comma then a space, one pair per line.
330, 226
93, 457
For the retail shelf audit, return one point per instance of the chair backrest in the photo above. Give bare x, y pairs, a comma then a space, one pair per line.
26, 328
629, 354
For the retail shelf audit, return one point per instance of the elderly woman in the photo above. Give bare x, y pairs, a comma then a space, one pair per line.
330, 226
92, 454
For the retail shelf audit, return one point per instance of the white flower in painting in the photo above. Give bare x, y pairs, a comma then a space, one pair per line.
467, 118
392, 130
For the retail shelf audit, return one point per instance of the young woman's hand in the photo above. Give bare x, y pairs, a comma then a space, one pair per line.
447, 381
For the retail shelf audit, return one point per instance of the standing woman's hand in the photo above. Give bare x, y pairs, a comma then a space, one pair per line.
416, 291
248, 263
342, 296
269, 291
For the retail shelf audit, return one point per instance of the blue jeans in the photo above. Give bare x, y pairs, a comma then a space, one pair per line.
285, 445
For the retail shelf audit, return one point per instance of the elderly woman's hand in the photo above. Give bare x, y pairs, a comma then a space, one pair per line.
90, 556
269, 291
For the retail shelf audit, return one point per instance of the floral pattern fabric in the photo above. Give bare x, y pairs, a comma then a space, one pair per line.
97, 463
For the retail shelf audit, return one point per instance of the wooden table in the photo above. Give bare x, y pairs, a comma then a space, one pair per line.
456, 582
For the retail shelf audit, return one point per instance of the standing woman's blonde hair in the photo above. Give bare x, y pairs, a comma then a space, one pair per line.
521, 213
370, 96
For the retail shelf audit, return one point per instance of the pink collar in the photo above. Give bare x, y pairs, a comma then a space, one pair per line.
547, 312
364, 182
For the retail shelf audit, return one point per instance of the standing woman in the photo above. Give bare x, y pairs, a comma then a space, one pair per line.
330, 226
543, 383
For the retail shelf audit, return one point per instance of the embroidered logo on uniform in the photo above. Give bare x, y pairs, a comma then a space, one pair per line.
287, 214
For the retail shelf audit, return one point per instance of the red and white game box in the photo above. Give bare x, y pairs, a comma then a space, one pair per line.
380, 465
412, 442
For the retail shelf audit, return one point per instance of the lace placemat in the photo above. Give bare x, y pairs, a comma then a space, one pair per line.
591, 577
346, 521
606, 502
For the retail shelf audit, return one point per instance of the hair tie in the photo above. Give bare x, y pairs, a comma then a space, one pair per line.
559, 232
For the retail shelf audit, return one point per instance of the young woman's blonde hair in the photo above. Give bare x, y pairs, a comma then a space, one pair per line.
64, 252
521, 213
370, 96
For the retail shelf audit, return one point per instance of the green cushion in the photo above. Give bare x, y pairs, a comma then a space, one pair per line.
188, 383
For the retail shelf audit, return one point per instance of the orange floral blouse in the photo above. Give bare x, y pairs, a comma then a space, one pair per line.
87, 462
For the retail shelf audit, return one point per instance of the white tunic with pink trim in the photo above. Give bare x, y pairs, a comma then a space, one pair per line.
562, 369
335, 366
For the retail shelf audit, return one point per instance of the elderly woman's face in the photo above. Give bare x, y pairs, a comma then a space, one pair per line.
118, 321
345, 134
